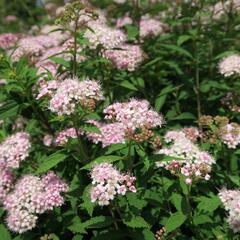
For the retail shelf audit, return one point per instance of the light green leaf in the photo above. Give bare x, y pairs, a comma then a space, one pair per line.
4, 233
50, 162
128, 85
136, 222
182, 39
175, 221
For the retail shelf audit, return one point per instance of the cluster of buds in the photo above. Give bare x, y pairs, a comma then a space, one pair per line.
159, 234
220, 128
108, 182
232, 101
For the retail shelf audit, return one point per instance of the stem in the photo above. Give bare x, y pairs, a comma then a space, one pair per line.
114, 218
130, 163
75, 49
189, 204
40, 115
81, 146
197, 74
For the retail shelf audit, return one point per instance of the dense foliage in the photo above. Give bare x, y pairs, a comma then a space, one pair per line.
119, 119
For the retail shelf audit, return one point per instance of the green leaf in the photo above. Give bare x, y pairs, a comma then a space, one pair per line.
109, 159
87, 204
4, 233
143, 234
50, 162
77, 237
182, 39
60, 61
115, 147
9, 109
132, 31
209, 204
134, 201
175, 221
128, 85
91, 129
202, 219
183, 116
136, 222
180, 203
177, 49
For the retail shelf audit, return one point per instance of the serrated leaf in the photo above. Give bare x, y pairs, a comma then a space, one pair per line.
115, 147
87, 204
50, 162
183, 116
177, 49
183, 39
4, 233
60, 61
132, 31
92, 129
108, 158
175, 221
128, 85
77, 237
202, 219
134, 201
209, 204
136, 222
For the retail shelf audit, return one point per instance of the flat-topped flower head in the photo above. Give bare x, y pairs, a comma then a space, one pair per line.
14, 149
112, 133
72, 92
191, 162
102, 35
134, 114
128, 57
150, 26
108, 182
31, 196
230, 65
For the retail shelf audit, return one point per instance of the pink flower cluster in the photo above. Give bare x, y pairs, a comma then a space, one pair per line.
190, 161
102, 35
14, 149
128, 57
8, 40
230, 135
151, 27
31, 196
231, 202
230, 65
108, 182
126, 119
72, 92
64, 136
112, 133
134, 114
